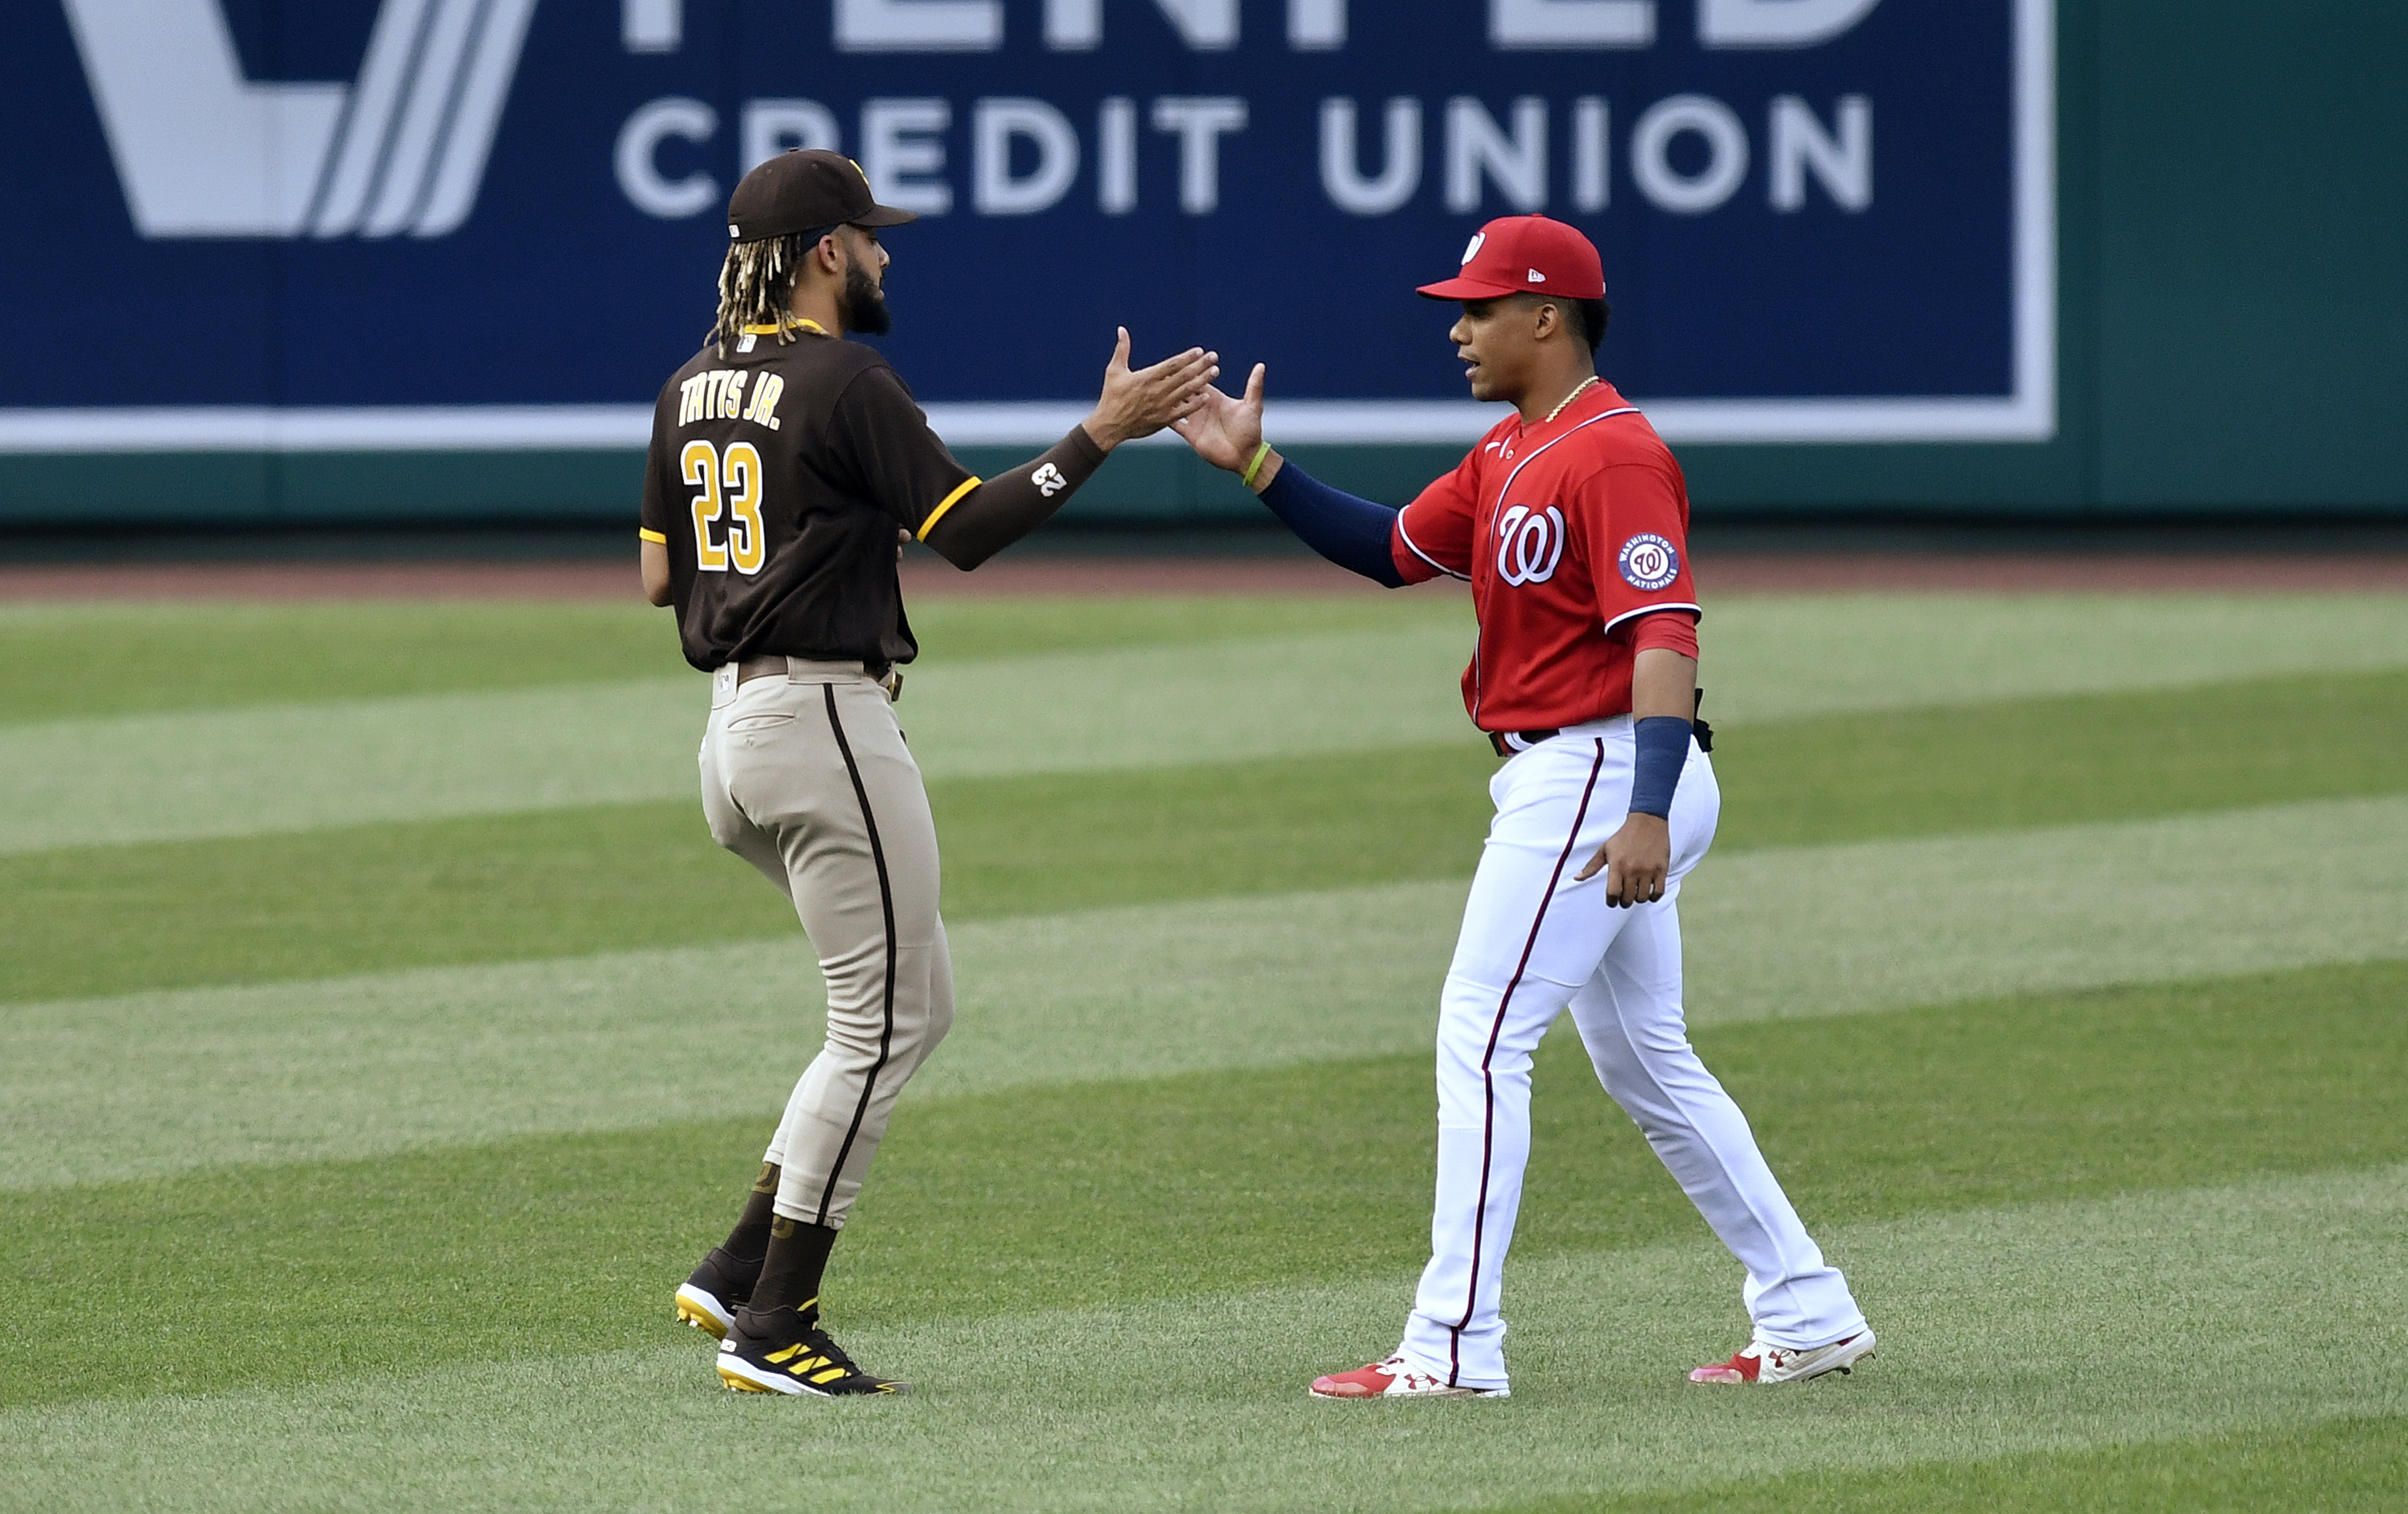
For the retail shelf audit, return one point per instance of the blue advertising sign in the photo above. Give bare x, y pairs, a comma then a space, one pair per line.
497, 223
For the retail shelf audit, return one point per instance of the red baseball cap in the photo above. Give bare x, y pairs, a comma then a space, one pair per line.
1525, 255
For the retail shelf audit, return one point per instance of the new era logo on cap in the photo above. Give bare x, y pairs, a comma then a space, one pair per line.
1545, 252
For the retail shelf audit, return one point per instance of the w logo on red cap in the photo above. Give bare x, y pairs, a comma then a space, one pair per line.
1514, 253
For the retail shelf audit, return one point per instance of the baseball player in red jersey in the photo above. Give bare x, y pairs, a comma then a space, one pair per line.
1569, 520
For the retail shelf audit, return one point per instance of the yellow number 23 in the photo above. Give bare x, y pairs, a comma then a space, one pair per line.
731, 483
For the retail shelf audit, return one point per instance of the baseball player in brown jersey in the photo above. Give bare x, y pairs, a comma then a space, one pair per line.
785, 460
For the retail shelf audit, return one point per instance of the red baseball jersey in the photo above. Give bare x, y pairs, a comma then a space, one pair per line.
1574, 536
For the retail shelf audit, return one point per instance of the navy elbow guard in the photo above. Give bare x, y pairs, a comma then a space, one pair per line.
1656, 769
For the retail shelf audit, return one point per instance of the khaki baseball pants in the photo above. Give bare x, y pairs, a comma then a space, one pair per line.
806, 777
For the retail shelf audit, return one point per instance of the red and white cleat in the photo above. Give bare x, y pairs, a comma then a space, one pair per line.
1392, 1378
1762, 1363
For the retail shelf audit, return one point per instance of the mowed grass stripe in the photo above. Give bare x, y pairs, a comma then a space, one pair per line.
125, 657
1827, 930
64, 662
298, 767
2064, 761
566, 882
1790, 658
2041, 1326
387, 1062
1867, 1118
2342, 1466
102, 1088
1111, 1192
234, 772
1768, 656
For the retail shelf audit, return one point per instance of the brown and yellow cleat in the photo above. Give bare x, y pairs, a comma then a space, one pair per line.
709, 1298
783, 1351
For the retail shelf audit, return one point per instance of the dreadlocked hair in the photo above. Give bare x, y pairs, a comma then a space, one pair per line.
756, 286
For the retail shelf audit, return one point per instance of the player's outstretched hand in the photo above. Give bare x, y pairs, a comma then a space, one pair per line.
1637, 859
1224, 432
1140, 401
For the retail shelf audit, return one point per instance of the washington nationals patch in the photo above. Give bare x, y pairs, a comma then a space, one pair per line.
1648, 562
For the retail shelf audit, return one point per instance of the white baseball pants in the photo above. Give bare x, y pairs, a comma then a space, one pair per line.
1533, 943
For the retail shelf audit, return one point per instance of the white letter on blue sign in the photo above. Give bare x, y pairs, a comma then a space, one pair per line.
1571, 23
1845, 166
640, 176
1316, 26
1199, 121
1592, 181
1651, 160
652, 25
1475, 145
919, 26
1204, 25
1400, 158
1777, 23
899, 141
994, 126
1116, 156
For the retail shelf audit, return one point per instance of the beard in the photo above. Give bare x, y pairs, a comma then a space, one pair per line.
865, 303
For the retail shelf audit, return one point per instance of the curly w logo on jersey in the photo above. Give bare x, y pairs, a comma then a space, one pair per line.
1530, 544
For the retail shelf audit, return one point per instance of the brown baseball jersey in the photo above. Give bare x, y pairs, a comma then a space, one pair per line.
777, 479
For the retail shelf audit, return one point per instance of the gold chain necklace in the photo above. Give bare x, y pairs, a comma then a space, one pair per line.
1568, 398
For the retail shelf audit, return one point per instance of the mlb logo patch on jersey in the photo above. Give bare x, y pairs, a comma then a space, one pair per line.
1648, 562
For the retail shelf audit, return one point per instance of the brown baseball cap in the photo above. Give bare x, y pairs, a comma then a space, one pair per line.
802, 189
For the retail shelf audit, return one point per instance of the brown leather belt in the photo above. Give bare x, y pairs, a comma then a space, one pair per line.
775, 664
760, 667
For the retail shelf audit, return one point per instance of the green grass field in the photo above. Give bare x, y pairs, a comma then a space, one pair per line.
381, 1038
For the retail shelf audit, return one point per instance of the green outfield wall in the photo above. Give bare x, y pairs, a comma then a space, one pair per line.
2232, 330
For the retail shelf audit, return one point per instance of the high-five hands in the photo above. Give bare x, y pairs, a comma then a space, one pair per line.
1141, 402
1226, 432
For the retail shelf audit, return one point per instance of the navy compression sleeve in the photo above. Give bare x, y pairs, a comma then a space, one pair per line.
1663, 743
1349, 532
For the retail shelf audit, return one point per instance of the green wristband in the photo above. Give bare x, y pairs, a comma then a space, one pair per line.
1256, 466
